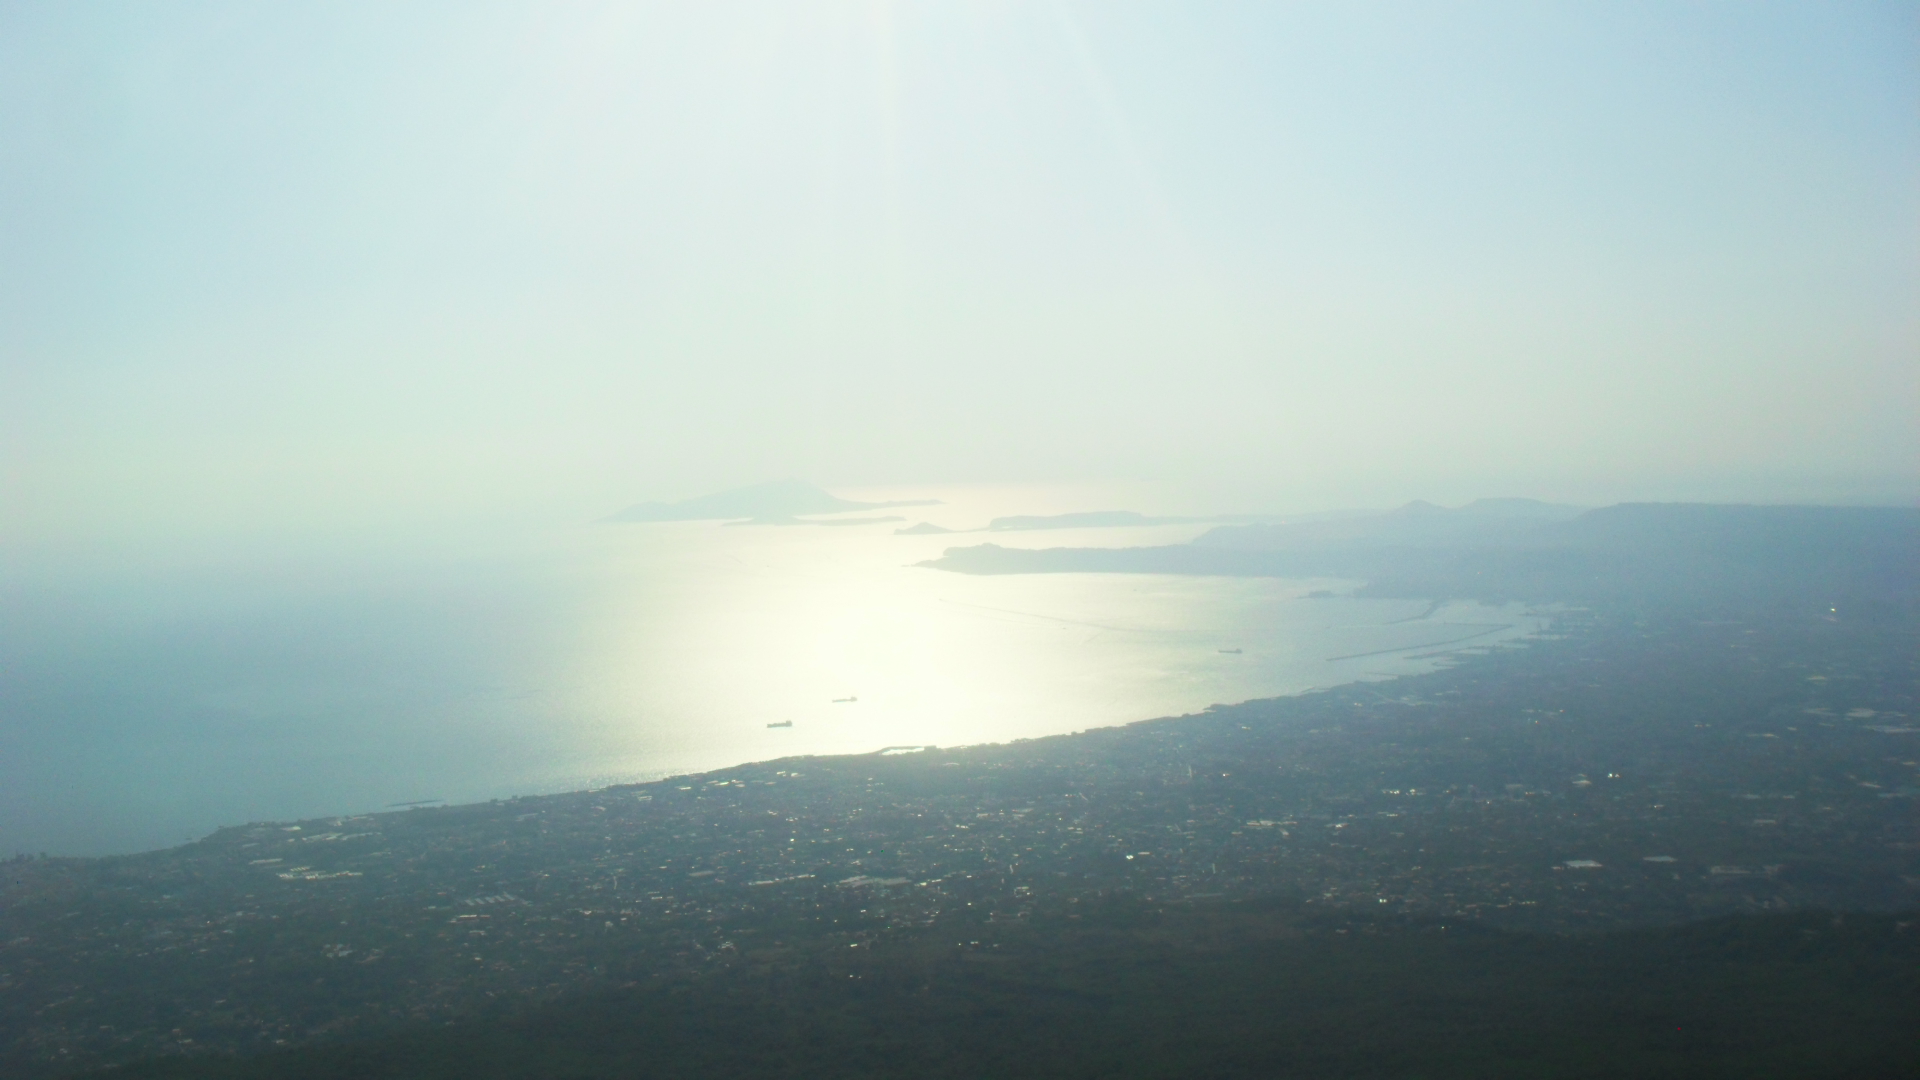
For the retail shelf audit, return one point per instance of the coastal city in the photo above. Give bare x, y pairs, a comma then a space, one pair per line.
1613, 773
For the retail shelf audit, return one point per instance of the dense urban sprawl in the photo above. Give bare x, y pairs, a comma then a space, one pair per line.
1613, 773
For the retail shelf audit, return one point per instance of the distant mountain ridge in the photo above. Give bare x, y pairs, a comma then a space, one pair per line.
774, 501
1418, 523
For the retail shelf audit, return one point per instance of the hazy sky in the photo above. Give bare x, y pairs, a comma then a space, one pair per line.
366, 262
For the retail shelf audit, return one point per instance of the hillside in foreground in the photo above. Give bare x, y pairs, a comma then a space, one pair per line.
1127, 989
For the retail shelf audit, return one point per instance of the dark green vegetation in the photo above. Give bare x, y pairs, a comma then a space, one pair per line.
1499, 868
1246, 990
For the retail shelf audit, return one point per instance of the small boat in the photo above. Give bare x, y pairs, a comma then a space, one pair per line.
783, 723
844, 700
1231, 652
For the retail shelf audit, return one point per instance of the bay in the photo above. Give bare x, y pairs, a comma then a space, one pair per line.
146, 702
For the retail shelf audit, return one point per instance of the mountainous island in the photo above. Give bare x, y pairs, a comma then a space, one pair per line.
1084, 519
1089, 519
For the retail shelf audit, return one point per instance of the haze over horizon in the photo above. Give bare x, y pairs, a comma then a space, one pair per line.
1013, 538
339, 269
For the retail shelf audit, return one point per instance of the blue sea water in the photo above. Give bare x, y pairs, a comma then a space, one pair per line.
147, 702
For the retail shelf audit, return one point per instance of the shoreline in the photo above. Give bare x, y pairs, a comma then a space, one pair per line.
165, 762
1445, 660
1620, 773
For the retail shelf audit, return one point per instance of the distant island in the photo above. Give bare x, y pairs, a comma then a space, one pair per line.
1092, 519
1085, 519
882, 520
778, 501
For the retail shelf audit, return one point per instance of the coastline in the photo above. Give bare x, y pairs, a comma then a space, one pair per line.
1443, 656
1617, 773
1112, 668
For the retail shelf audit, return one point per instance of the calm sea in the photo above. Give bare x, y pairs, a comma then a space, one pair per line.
145, 703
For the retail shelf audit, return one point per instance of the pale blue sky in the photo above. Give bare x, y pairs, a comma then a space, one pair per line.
372, 262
